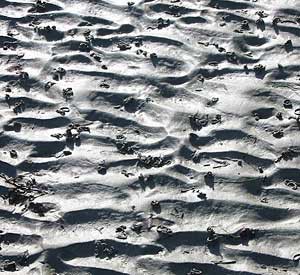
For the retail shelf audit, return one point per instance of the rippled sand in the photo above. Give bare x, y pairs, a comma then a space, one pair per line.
155, 137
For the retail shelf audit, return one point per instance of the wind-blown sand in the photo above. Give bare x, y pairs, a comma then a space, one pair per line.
155, 137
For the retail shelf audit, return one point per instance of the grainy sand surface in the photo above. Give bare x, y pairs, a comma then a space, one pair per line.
155, 137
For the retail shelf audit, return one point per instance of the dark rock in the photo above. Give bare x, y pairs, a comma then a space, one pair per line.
10, 266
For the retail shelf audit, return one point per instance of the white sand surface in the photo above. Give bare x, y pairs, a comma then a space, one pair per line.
151, 137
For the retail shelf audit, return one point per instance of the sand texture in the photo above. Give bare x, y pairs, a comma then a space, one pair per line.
150, 137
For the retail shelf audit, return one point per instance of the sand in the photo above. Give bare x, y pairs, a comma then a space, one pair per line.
151, 137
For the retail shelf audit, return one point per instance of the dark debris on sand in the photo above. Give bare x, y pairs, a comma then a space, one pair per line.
23, 191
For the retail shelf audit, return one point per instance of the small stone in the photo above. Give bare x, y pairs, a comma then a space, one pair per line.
245, 25
156, 207
10, 266
260, 22
17, 126
155, 204
153, 56
124, 46
102, 169
278, 134
164, 230
264, 200
13, 154
287, 104
275, 21
279, 116
208, 175
202, 196
259, 69
288, 44
84, 47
